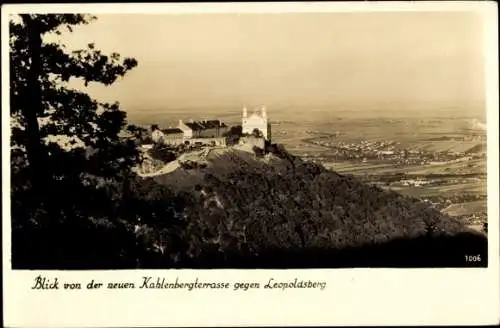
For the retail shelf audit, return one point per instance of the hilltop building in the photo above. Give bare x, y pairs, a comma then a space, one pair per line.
192, 132
257, 120
202, 129
172, 134
212, 132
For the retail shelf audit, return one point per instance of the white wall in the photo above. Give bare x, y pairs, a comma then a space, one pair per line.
255, 122
188, 132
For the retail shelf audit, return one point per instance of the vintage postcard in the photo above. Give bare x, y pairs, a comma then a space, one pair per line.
250, 164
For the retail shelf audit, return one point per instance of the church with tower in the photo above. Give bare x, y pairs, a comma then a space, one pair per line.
257, 120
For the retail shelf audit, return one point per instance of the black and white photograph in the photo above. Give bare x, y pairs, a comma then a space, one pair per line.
255, 164
248, 140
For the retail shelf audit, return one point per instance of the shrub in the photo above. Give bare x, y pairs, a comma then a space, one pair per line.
162, 153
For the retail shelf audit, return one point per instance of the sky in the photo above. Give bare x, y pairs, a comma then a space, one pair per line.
351, 61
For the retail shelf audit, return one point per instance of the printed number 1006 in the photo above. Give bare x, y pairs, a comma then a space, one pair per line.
473, 258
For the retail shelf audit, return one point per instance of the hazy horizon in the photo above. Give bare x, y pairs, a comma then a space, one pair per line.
378, 61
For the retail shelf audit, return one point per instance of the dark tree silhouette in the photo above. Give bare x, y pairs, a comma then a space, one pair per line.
138, 132
257, 133
162, 153
39, 90
236, 131
233, 134
58, 192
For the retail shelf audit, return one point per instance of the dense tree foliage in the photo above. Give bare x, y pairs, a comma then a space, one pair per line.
233, 134
162, 153
139, 133
246, 212
236, 130
71, 202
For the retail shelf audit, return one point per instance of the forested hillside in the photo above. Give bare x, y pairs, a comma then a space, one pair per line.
242, 211
289, 213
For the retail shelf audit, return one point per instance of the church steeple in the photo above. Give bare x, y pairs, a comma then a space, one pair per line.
256, 121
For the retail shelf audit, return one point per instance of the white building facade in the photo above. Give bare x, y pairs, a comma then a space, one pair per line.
257, 120
188, 132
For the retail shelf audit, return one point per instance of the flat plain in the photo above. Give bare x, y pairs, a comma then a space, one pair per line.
439, 159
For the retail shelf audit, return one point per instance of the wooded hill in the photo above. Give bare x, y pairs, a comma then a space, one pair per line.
289, 213
242, 211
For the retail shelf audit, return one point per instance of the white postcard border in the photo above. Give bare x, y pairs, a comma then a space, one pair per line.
352, 296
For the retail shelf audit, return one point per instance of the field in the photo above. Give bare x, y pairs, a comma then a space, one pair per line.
453, 146
469, 167
430, 135
464, 208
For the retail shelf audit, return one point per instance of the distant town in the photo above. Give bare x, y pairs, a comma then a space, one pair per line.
390, 151
455, 168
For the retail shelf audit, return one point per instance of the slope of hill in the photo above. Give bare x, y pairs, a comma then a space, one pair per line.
278, 211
